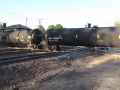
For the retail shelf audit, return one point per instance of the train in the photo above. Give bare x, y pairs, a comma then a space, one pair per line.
89, 37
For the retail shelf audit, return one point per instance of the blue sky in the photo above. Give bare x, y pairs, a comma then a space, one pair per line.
69, 13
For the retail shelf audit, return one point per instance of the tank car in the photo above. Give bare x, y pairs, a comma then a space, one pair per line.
24, 37
91, 37
69, 36
106, 37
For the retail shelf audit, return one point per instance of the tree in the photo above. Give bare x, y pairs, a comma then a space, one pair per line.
40, 27
117, 23
51, 27
4, 25
57, 26
1, 25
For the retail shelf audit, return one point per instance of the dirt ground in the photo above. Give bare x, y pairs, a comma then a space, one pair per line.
86, 71
75, 71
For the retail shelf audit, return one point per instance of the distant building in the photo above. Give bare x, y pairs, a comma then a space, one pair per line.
16, 27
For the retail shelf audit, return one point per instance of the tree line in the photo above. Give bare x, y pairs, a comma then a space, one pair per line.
117, 23
57, 26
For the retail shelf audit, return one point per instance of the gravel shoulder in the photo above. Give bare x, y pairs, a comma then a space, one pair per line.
76, 71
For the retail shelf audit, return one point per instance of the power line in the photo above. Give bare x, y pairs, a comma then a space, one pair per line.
4, 12
11, 13
14, 14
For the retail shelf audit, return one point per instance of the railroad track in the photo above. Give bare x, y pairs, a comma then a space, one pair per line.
32, 56
22, 57
2, 51
12, 51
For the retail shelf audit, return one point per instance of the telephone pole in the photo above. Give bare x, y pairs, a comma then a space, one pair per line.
40, 21
26, 21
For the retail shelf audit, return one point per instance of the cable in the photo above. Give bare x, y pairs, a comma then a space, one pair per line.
3, 12
11, 13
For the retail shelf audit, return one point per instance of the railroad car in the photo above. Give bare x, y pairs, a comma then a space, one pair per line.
25, 37
68, 36
36, 37
89, 36
106, 37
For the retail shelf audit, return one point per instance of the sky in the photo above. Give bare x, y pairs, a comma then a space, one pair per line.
68, 13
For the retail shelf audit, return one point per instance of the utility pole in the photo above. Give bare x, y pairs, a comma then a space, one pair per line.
40, 21
26, 21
